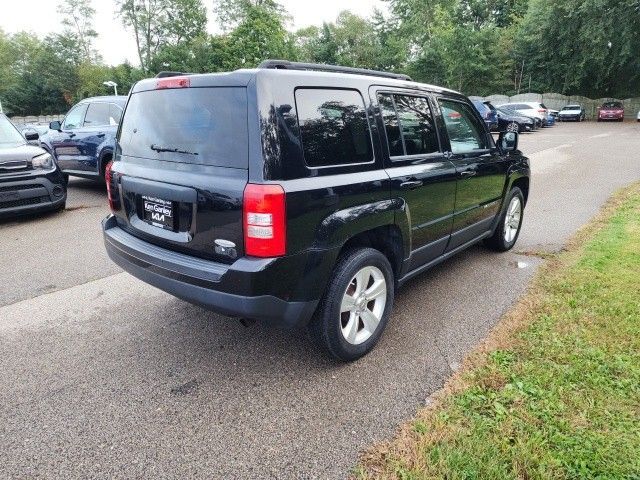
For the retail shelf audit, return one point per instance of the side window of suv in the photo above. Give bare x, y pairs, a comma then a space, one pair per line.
97, 115
409, 125
75, 117
465, 132
333, 126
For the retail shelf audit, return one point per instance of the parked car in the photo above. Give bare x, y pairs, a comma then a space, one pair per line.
638, 116
487, 113
260, 194
531, 109
611, 111
572, 112
551, 121
30, 181
537, 123
553, 113
83, 143
508, 121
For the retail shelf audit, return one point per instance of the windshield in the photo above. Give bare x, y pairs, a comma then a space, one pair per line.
572, 107
9, 135
206, 126
612, 105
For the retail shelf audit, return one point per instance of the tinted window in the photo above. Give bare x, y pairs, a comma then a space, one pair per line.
333, 126
188, 125
115, 114
416, 125
612, 105
465, 132
75, 117
97, 115
391, 125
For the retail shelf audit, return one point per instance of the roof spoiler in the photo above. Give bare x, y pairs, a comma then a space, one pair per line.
321, 67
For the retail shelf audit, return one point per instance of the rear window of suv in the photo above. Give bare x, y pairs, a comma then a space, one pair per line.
333, 126
205, 126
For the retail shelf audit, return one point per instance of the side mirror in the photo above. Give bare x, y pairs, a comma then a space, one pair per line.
508, 141
55, 125
31, 135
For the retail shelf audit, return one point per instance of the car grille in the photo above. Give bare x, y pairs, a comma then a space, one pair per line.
13, 188
24, 202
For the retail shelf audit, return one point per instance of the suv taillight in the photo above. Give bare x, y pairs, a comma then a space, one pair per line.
265, 227
112, 188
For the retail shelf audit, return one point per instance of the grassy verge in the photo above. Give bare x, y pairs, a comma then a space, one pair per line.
555, 391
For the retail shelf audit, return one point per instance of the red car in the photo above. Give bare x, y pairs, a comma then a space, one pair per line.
611, 111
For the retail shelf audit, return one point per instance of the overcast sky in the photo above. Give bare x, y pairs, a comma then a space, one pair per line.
115, 44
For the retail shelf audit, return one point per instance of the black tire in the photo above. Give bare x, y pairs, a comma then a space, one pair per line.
498, 241
326, 326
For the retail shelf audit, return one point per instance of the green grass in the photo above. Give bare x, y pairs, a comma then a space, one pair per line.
560, 396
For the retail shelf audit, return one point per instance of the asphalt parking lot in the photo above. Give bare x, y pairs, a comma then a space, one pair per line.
102, 375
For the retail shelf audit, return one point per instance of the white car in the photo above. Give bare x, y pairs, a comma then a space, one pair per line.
572, 112
639, 115
530, 109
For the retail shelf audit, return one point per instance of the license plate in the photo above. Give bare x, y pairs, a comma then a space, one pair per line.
158, 212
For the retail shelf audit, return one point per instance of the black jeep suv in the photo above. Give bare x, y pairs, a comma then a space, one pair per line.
305, 194
30, 181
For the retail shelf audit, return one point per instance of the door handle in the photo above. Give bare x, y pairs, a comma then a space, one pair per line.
411, 184
468, 173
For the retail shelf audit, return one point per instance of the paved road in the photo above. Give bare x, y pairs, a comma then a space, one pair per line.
104, 376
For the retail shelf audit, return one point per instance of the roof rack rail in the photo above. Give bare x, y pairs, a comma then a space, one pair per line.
171, 74
287, 65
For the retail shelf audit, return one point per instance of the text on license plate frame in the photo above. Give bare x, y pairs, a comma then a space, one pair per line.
158, 212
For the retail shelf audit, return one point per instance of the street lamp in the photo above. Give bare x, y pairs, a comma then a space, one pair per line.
110, 83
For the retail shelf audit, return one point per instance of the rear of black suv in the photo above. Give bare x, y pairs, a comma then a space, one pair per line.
304, 196
186, 217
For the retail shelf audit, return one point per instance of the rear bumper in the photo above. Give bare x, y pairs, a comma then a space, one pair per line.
28, 194
212, 285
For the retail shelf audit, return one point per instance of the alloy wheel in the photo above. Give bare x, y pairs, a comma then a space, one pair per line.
363, 305
512, 127
512, 219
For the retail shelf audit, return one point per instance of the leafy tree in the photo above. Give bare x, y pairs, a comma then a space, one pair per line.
260, 34
231, 13
157, 23
587, 47
353, 41
77, 17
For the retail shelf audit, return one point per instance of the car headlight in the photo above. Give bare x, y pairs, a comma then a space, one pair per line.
43, 161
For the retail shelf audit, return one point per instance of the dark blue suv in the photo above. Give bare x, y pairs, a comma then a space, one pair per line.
83, 143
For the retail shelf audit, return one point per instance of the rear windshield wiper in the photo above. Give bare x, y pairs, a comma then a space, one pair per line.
158, 148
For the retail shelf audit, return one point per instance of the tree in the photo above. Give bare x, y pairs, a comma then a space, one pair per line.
231, 13
261, 34
158, 23
77, 17
354, 41
582, 47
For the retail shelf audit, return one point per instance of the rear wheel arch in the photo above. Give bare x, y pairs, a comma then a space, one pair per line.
387, 239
